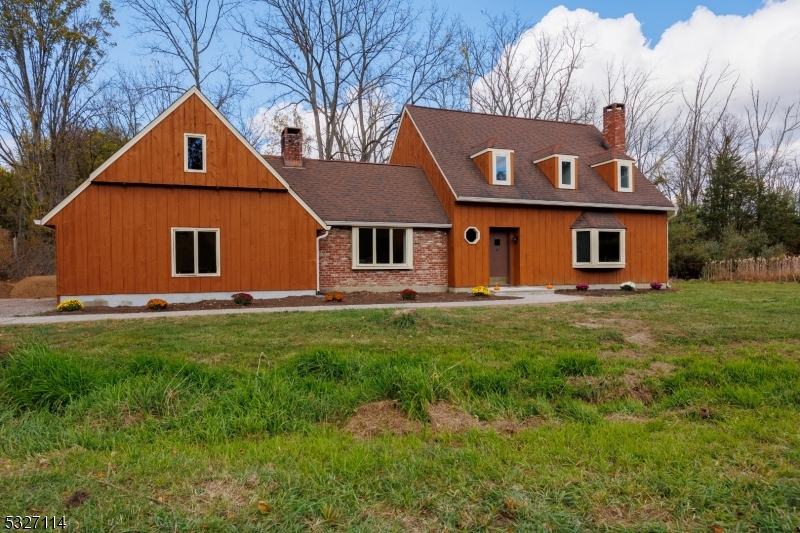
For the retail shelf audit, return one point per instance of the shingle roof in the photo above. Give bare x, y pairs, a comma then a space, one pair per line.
346, 191
451, 135
590, 219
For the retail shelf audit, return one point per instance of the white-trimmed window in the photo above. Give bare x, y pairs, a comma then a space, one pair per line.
501, 167
195, 252
472, 235
598, 248
382, 248
194, 147
624, 177
567, 172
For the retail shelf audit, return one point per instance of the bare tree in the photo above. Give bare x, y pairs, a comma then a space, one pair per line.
704, 111
353, 63
649, 131
771, 135
529, 72
188, 32
50, 51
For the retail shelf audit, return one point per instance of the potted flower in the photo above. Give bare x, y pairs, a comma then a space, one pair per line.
157, 304
334, 297
480, 290
581, 287
628, 286
656, 286
242, 298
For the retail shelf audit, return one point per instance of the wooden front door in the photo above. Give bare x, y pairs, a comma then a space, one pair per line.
499, 263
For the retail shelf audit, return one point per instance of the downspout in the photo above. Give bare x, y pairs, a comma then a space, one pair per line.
319, 238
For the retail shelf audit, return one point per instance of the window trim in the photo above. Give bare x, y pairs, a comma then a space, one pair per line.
408, 265
477, 232
509, 171
186, 152
574, 161
594, 249
621, 164
196, 274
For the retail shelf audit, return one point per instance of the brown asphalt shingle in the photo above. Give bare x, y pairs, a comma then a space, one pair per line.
590, 219
347, 191
451, 135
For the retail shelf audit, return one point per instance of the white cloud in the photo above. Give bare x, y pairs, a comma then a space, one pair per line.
763, 47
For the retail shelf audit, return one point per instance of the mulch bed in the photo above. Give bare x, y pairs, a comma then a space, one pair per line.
611, 292
353, 298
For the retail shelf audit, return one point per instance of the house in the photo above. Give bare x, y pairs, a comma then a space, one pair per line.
188, 210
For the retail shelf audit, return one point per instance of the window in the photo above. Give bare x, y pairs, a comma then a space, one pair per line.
195, 152
382, 248
501, 168
598, 248
567, 167
625, 183
472, 235
195, 252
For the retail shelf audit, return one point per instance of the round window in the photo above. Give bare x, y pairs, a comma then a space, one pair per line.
472, 235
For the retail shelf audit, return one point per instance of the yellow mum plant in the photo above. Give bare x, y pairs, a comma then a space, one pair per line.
70, 305
480, 290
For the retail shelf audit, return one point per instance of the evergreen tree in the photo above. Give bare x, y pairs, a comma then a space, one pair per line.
731, 198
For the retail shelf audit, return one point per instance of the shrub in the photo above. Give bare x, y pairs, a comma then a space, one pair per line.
656, 286
334, 297
582, 287
242, 298
628, 286
157, 304
409, 294
480, 290
70, 305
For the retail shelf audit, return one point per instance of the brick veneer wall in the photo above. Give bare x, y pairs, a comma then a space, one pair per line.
428, 275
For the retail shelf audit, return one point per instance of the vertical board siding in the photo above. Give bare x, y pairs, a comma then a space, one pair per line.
608, 172
129, 246
159, 156
545, 236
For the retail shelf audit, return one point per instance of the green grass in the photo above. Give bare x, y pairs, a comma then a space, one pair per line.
672, 412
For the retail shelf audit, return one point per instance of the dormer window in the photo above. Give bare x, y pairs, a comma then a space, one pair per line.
496, 165
195, 152
625, 183
566, 166
560, 169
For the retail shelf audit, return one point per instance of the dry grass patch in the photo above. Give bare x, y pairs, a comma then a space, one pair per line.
381, 418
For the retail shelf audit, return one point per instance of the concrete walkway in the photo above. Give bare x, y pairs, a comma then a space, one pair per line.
540, 297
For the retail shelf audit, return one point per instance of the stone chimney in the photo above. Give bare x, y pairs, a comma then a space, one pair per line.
614, 126
292, 147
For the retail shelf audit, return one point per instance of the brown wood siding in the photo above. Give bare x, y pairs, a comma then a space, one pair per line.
117, 239
511, 169
608, 172
484, 164
548, 167
545, 246
159, 156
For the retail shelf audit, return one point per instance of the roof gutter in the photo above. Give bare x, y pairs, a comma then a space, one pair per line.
349, 223
562, 204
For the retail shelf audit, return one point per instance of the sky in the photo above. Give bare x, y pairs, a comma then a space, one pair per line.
760, 38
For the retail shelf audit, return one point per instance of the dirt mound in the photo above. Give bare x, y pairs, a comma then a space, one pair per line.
387, 417
5, 289
378, 418
35, 287
448, 417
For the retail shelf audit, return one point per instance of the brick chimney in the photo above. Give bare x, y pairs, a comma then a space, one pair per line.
292, 147
614, 126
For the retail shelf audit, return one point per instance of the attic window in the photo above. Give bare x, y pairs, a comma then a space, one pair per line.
566, 172
195, 152
501, 168
625, 178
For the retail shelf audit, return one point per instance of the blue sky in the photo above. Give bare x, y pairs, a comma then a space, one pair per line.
655, 16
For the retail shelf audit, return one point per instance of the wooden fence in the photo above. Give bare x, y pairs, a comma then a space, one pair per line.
785, 268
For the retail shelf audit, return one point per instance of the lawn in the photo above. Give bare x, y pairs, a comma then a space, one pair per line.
657, 412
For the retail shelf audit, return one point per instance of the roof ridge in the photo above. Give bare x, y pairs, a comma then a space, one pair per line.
569, 122
347, 161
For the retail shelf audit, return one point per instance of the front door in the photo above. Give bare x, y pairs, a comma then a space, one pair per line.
499, 258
